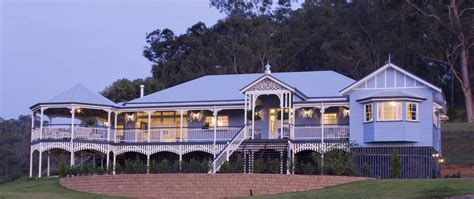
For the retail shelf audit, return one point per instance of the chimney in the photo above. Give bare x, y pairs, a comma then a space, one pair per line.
142, 90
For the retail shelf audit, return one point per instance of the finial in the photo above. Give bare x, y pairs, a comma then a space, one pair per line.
267, 68
389, 61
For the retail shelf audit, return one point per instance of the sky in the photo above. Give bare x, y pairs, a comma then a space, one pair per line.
48, 46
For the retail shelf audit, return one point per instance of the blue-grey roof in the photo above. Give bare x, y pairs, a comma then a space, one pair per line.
314, 84
391, 94
79, 95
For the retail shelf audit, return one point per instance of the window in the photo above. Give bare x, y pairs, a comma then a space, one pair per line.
330, 118
387, 111
369, 115
221, 121
412, 111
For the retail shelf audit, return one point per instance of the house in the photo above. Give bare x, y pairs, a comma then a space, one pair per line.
288, 113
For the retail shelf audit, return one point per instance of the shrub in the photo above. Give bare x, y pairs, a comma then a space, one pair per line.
308, 169
226, 167
62, 171
395, 164
274, 166
258, 166
165, 166
134, 167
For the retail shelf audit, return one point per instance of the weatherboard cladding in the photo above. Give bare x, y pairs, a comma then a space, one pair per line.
377, 133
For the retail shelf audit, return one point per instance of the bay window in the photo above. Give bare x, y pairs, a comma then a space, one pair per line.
412, 111
388, 111
368, 113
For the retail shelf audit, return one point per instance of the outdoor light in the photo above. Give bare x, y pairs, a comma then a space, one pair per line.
78, 110
441, 160
346, 112
195, 116
130, 117
306, 113
435, 155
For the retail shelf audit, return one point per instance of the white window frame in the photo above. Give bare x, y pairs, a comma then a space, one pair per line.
371, 114
407, 109
398, 111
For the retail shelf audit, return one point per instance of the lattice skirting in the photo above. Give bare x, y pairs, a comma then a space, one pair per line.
105, 148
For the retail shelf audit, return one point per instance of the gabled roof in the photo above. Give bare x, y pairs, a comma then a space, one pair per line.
383, 68
226, 88
78, 95
391, 94
270, 77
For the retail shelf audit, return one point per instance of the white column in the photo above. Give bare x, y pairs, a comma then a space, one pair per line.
39, 163
245, 116
149, 126
282, 107
322, 123
48, 163
148, 163
73, 113
108, 126
108, 158
31, 163
115, 125
41, 123
113, 163
181, 112
253, 115
215, 130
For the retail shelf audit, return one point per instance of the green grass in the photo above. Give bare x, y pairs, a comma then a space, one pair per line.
389, 189
457, 140
457, 127
47, 188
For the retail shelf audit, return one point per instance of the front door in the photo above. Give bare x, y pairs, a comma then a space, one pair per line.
272, 123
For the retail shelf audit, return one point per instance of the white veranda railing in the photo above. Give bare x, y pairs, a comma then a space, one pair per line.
315, 132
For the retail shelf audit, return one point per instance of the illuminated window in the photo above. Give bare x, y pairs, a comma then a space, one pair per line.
369, 114
412, 111
387, 111
330, 118
221, 121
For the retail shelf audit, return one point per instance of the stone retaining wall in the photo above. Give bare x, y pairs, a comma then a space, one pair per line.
199, 185
464, 170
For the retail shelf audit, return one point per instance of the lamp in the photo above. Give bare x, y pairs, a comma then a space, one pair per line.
195, 116
306, 113
129, 117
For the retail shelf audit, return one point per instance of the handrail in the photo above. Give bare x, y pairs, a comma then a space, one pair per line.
225, 153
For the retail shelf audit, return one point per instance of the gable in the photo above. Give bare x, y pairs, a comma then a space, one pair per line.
390, 76
266, 84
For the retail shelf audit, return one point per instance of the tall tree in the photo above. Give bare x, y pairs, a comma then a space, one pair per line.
454, 20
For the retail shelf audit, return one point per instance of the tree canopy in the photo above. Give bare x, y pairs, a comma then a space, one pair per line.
353, 38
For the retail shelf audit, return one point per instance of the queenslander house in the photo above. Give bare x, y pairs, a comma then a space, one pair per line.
279, 116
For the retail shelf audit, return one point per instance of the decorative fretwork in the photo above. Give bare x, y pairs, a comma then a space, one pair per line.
319, 147
267, 85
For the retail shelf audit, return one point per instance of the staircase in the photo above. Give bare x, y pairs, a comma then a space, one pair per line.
231, 146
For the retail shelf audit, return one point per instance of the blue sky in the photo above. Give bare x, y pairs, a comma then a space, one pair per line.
51, 45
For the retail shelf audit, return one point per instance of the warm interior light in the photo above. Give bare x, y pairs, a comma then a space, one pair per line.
78, 110
392, 103
272, 110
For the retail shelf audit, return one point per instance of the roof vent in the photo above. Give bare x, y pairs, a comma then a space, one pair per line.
142, 90
267, 69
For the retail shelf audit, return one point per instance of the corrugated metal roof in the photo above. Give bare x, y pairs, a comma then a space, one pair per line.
314, 84
391, 94
81, 95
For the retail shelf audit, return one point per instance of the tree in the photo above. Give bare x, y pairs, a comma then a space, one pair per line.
456, 41
395, 164
124, 90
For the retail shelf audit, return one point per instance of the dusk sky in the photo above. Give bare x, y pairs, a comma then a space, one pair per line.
49, 46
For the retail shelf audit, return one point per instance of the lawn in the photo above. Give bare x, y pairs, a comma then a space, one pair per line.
457, 140
390, 189
47, 188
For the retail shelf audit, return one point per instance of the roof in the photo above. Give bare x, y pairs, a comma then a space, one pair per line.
386, 66
213, 88
391, 94
78, 94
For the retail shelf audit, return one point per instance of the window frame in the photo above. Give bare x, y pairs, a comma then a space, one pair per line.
398, 111
407, 110
371, 112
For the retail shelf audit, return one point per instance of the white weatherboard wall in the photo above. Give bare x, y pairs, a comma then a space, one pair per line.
392, 133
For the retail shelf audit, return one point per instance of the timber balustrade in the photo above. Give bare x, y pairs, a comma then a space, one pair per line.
311, 132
